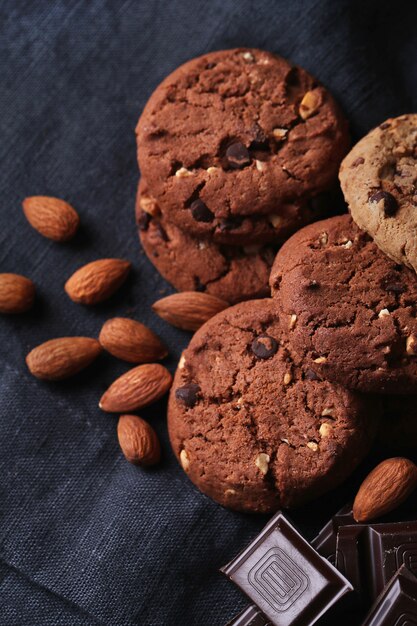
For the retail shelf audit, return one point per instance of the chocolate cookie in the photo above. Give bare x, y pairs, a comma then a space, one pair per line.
347, 309
253, 429
236, 133
249, 230
379, 181
230, 273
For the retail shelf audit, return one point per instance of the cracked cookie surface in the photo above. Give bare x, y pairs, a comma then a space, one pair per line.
230, 273
252, 428
348, 310
238, 132
379, 182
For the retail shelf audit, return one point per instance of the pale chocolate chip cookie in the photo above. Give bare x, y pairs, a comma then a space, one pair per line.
379, 181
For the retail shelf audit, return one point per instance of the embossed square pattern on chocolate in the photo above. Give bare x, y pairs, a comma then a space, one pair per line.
286, 578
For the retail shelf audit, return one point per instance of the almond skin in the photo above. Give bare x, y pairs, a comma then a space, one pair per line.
131, 341
188, 310
97, 281
138, 440
17, 293
61, 358
385, 488
51, 217
137, 388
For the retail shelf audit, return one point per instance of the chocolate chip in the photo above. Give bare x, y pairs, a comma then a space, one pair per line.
201, 212
384, 126
230, 223
237, 155
161, 232
264, 346
310, 375
394, 287
144, 221
260, 140
358, 161
390, 204
188, 394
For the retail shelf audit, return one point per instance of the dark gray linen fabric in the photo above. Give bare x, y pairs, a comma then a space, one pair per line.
86, 538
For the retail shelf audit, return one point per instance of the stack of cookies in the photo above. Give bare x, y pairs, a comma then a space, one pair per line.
277, 400
237, 149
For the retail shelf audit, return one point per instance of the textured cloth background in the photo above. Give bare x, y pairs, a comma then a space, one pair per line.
86, 538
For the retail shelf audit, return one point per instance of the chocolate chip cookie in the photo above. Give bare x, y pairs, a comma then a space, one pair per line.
251, 426
347, 309
236, 133
230, 273
379, 181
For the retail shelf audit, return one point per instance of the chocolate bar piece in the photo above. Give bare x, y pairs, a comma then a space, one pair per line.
325, 541
397, 604
370, 554
285, 577
249, 617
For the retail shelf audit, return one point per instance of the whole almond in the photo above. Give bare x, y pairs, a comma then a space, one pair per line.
131, 341
137, 388
188, 310
51, 217
61, 358
385, 488
97, 281
138, 440
17, 293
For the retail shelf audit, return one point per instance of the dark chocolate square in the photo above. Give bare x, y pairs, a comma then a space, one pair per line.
397, 604
325, 541
370, 554
285, 577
